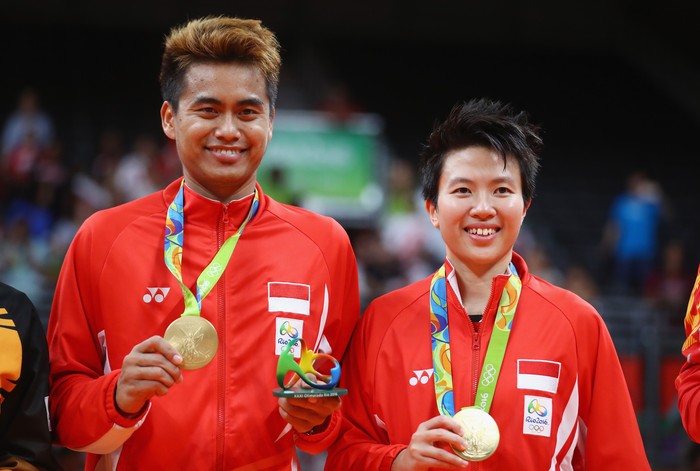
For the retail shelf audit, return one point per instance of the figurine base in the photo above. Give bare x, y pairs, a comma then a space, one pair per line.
309, 392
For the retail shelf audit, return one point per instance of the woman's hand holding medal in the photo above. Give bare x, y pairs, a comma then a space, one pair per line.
430, 446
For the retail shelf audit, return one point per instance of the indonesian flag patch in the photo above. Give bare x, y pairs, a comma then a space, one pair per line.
539, 375
289, 297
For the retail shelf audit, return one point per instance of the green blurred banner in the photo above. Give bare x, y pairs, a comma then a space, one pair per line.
329, 167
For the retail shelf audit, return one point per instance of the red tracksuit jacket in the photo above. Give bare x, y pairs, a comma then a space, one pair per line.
586, 416
115, 291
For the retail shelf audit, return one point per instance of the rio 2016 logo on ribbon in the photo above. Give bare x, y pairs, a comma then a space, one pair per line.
537, 417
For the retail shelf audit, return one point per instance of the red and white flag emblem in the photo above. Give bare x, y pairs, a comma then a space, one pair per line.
289, 297
540, 375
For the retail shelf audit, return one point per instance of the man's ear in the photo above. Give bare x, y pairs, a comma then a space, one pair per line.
167, 118
272, 122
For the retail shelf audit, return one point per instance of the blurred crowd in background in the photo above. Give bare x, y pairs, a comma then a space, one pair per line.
45, 196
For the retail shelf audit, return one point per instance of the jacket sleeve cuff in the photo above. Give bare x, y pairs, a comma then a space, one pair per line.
317, 442
390, 456
113, 412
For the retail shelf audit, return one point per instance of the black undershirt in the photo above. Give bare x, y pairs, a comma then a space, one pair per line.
475, 317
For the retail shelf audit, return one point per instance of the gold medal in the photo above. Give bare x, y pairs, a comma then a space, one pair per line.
195, 339
480, 432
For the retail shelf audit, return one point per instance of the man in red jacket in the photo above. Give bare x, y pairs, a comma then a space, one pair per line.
483, 365
171, 311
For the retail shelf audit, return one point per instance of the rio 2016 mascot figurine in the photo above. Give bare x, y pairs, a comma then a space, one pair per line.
304, 369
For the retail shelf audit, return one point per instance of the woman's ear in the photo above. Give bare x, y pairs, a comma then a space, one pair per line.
432, 212
525, 208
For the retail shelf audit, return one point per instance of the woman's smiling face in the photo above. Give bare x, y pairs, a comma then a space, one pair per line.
480, 207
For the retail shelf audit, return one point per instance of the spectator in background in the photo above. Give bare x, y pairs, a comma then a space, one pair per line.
631, 234
540, 263
110, 150
29, 119
338, 102
579, 280
84, 198
279, 188
25, 254
406, 235
51, 169
379, 270
21, 161
25, 438
27, 135
136, 173
21, 263
668, 285
168, 166
36, 206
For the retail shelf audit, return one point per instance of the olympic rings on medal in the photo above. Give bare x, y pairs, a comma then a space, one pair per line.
305, 366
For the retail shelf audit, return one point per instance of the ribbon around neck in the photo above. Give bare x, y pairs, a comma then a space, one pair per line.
173, 250
440, 332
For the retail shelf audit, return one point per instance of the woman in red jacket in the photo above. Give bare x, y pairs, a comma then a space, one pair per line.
483, 364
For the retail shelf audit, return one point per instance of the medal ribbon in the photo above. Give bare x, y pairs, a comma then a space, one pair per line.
173, 246
439, 328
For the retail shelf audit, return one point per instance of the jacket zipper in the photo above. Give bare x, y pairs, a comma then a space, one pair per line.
477, 330
476, 350
476, 347
221, 356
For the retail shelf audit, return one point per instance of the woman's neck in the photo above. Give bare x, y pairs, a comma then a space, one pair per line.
475, 285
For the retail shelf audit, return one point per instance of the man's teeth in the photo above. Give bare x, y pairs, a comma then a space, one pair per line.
229, 152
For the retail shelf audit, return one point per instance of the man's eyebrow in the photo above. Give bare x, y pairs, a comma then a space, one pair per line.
207, 100
255, 101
